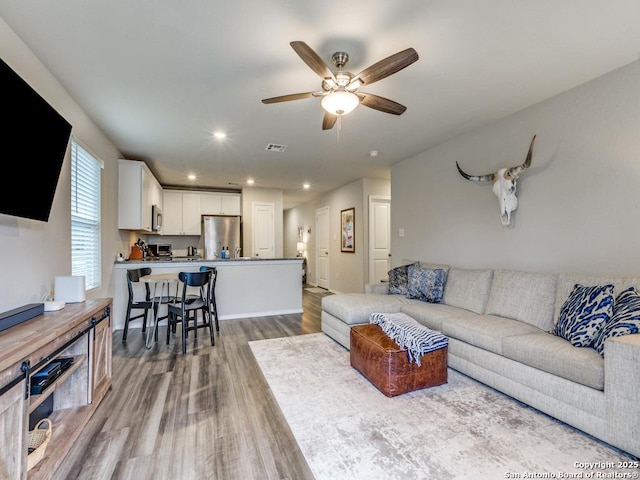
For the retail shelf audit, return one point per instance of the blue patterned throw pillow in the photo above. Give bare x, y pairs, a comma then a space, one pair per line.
584, 314
625, 319
426, 284
398, 280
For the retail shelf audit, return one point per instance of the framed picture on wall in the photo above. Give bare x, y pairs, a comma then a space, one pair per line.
348, 227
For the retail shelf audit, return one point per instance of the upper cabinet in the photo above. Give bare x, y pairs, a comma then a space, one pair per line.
138, 191
183, 210
220, 204
181, 213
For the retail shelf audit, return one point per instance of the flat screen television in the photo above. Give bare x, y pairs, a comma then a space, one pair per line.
33, 143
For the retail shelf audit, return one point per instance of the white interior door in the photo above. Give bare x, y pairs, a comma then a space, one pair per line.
264, 239
322, 247
379, 238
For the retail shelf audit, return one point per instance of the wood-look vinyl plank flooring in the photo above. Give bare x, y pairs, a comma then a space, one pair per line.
208, 414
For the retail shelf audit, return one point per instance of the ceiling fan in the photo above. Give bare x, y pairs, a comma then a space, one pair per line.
340, 89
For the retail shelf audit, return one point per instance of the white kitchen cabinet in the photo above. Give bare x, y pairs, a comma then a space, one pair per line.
181, 213
220, 204
138, 191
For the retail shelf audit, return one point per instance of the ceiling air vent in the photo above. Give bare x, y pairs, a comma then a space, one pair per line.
274, 147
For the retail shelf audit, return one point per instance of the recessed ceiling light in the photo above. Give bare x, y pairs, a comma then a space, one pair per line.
250, 181
191, 177
219, 135
373, 153
306, 186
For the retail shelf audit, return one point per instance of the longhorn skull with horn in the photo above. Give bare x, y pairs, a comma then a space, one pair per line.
504, 184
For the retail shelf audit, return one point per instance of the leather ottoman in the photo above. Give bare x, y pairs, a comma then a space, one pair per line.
385, 364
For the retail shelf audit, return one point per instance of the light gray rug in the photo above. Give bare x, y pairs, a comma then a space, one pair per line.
348, 430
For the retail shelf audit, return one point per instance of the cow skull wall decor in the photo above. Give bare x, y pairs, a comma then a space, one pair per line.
504, 184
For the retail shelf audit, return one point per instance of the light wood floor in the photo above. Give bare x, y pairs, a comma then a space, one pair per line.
208, 414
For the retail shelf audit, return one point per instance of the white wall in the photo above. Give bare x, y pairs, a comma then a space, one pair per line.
578, 203
33, 253
348, 272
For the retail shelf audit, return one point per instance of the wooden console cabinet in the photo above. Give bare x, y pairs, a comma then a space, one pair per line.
80, 330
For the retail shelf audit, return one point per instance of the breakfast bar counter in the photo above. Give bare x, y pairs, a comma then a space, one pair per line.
246, 287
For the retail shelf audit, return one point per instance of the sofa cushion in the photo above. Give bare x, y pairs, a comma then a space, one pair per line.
484, 331
625, 319
355, 308
584, 314
426, 284
431, 315
528, 297
557, 356
398, 280
468, 289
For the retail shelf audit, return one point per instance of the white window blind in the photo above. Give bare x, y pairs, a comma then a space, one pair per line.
85, 216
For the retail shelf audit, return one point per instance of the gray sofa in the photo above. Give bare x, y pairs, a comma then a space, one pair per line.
498, 324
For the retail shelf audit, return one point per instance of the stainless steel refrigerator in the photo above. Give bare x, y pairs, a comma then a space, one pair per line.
221, 232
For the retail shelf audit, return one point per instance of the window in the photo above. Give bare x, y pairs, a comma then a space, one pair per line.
85, 216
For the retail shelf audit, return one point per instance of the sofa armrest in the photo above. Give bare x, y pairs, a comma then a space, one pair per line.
381, 288
622, 377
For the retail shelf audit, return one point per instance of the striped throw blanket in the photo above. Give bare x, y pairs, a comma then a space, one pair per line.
416, 339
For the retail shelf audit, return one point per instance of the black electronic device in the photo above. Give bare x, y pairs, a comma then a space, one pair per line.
47, 375
65, 362
20, 314
34, 141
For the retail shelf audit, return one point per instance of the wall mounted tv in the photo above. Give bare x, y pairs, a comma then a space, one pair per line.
34, 139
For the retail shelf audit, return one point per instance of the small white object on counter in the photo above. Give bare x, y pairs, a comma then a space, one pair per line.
53, 305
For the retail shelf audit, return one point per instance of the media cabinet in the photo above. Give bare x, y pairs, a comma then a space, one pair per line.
82, 331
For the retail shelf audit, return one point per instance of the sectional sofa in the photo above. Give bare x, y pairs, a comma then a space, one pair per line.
502, 330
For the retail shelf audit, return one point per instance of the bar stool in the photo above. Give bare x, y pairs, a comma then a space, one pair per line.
133, 276
185, 309
212, 295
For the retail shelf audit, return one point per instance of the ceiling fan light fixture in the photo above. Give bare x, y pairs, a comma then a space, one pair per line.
340, 102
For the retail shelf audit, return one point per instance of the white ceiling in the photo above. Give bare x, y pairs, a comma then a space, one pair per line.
158, 76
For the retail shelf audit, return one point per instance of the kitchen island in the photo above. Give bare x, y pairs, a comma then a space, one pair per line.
246, 287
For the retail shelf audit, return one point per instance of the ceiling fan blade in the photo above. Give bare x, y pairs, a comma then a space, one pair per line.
385, 67
312, 59
381, 103
328, 121
287, 98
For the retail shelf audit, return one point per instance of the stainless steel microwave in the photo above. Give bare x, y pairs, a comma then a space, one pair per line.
160, 249
156, 218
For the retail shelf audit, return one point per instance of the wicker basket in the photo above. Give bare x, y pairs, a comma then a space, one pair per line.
38, 440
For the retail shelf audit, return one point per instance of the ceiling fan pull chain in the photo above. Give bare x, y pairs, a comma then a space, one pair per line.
339, 128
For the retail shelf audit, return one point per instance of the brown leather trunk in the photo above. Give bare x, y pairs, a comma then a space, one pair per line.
385, 365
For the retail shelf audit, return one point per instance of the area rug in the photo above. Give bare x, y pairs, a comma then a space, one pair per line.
348, 430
